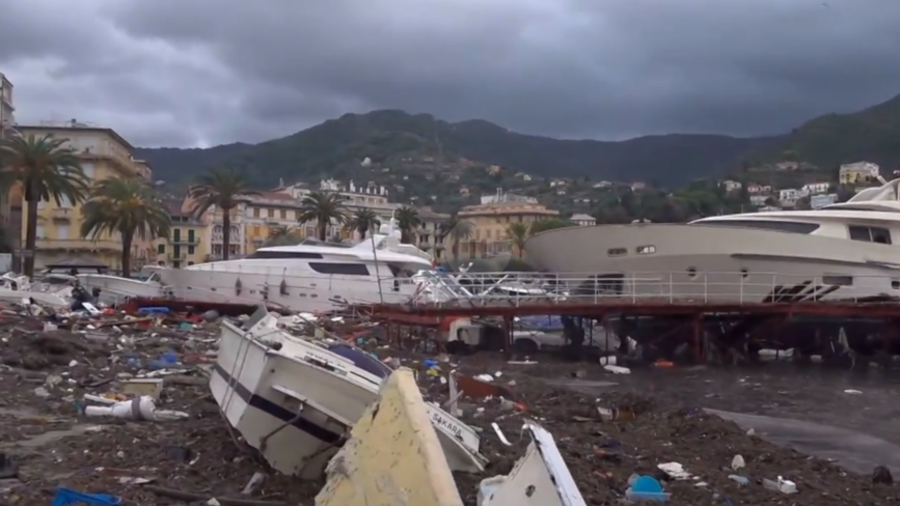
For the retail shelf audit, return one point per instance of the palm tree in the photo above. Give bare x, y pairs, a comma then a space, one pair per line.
322, 208
46, 170
458, 230
280, 235
518, 233
407, 221
129, 207
363, 221
223, 189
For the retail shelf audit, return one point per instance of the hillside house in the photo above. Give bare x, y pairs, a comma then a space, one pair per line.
730, 186
787, 166
758, 200
583, 220
638, 186
758, 189
788, 197
603, 184
816, 188
859, 172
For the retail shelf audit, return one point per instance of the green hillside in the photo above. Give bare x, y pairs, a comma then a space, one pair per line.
336, 147
405, 142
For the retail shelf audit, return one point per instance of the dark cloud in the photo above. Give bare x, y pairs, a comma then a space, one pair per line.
211, 71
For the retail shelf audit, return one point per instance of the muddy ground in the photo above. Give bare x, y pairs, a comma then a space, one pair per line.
44, 434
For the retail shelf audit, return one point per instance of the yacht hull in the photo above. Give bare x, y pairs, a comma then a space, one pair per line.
714, 264
296, 404
305, 293
114, 290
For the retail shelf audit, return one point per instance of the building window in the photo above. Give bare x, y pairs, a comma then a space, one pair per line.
191, 235
176, 234
62, 232
270, 212
256, 212
283, 214
40, 232
161, 249
190, 250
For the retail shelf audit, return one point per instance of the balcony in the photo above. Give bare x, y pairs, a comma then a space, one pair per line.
187, 241
62, 213
78, 245
118, 156
173, 257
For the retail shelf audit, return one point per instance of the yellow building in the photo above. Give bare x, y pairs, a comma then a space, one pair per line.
104, 154
491, 219
185, 244
262, 213
859, 172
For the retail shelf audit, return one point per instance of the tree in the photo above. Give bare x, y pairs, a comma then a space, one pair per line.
47, 170
280, 235
224, 189
458, 230
548, 224
363, 221
322, 208
407, 221
128, 207
518, 234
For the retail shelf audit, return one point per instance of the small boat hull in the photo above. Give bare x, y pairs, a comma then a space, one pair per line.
295, 401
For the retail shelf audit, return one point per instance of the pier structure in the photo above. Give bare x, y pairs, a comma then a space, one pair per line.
718, 311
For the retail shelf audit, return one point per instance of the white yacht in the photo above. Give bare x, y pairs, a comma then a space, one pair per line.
309, 277
842, 251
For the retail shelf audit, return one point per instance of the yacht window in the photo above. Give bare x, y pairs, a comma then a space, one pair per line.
838, 280
645, 250
870, 234
280, 255
796, 227
350, 269
615, 252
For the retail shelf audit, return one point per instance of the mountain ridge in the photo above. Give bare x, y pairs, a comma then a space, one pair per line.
335, 147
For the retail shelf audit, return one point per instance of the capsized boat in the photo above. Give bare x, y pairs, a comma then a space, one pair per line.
295, 399
53, 290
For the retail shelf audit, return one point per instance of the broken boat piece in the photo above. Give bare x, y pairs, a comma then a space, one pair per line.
295, 399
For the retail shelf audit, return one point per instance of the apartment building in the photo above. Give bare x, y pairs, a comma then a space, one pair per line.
490, 222
9, 220
103, 154
264, 212
7, 107
430, 234
188, 240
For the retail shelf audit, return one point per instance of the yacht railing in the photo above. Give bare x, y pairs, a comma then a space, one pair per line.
710, 287
429, 288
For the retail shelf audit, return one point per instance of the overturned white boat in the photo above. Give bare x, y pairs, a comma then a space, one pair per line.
295, 399
53, 290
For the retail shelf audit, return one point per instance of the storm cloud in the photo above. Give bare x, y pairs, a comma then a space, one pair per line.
203, 72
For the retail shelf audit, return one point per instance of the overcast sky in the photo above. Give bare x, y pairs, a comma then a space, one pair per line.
203, 72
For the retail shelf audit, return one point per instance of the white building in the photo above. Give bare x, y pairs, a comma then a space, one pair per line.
788, 196
758, 200
506, 198
731, 186
821, 200
584, 220
815, 188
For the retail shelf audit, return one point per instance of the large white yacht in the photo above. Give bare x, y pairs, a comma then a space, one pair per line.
842, 251
311, 276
